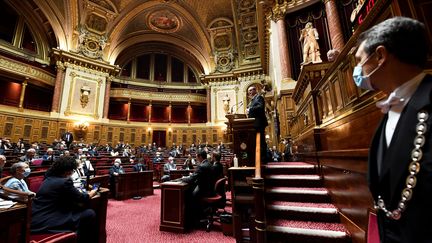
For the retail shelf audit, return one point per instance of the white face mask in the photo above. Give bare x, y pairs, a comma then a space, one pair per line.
26, 172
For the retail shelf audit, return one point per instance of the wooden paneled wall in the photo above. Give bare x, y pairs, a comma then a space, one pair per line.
344, 119
35, 128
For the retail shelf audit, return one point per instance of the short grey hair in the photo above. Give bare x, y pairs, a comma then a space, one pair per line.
17, 165
2, 157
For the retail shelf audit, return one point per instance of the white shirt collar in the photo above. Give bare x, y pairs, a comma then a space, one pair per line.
406, 90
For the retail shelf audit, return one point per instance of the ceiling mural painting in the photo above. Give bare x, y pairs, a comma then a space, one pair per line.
164, 21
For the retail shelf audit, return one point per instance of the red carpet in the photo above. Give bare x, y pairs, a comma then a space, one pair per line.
137, 221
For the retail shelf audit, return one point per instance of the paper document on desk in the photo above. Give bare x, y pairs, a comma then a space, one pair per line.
6, 203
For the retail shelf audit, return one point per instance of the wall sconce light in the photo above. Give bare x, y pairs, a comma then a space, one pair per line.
85, 92
81, 127
149, 130
169, 131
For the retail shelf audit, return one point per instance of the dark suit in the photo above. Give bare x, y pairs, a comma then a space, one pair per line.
68, 138
257, 110
204, 180
55, 209
414, 225
218, 170
139, 167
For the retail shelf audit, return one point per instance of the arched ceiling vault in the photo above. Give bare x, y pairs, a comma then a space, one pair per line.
134, 25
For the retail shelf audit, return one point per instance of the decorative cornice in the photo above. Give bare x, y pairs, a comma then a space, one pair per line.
233, 77
21, 69
84, 63
150, 84
308, 73
157, 96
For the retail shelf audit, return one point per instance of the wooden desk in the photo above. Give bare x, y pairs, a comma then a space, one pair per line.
132, 184
176, 174
13, 224
174, 204
99, 204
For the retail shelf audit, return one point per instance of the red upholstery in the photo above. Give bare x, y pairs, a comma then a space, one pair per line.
372, 232
34, 183
64, 237
37, 162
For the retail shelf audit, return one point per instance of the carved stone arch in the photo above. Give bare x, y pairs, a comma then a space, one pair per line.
118, 41
149, 48
30, 20
56, 22
130, 41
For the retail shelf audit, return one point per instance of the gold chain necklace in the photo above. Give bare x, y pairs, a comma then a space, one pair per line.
413, 169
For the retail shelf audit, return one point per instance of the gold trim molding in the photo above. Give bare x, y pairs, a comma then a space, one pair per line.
85, 64
24, 70
156, 96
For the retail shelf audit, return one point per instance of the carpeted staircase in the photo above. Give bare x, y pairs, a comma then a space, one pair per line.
299, 208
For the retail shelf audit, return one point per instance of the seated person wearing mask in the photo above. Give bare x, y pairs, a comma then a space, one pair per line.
30, 156
19, 171
116, 168
55, 207
189, 163
168, 166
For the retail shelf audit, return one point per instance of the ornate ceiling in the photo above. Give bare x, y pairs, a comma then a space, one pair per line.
221, 36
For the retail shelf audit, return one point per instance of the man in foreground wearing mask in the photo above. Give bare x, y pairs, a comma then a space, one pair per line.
19, 171
390, 58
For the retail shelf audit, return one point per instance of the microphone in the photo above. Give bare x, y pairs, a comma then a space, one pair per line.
238, 107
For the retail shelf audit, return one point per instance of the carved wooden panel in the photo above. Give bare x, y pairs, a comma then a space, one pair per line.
8, 129
44, 133
27, 131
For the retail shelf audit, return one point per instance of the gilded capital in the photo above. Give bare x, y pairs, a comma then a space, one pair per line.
278, 13
326, 1
60, 66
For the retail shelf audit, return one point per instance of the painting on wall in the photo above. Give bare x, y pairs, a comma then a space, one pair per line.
164, 21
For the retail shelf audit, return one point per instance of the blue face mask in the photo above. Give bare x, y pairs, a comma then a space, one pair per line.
26, 172
362, 81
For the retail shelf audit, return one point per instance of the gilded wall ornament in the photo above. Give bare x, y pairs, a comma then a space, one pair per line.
84, 97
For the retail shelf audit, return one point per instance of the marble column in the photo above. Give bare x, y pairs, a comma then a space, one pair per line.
58, 86
208, 104
189, 113
107, 96
128, 111
169, 112
285, 62
336, 36
150, 111
23, 90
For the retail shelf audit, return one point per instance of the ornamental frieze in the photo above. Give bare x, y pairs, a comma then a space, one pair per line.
24, 70
156, 96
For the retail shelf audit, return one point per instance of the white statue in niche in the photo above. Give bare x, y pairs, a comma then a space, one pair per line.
309, 37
